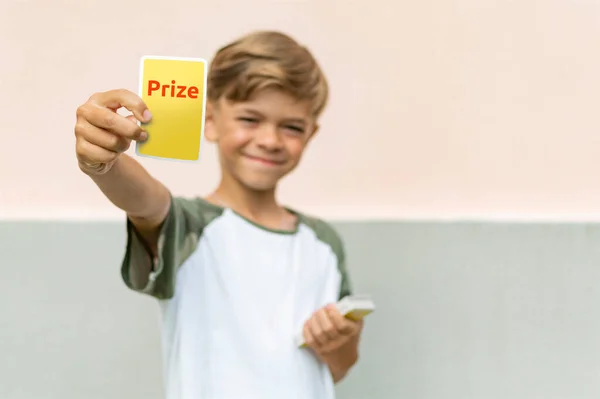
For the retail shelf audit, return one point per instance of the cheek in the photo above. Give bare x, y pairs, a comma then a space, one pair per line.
295, 147
233, 139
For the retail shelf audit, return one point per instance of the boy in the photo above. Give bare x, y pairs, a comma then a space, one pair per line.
237, 275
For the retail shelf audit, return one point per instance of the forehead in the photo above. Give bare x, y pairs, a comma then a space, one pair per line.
273, 103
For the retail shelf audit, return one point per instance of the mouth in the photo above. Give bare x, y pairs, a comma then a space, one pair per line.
264, 161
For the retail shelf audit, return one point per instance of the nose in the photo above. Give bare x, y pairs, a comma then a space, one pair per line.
268, 138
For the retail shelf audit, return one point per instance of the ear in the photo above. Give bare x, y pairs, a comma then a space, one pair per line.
210, 133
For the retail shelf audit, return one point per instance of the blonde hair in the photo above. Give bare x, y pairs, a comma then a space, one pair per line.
267, 59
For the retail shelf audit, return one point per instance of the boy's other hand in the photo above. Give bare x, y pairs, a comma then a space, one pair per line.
328, 331
102, 134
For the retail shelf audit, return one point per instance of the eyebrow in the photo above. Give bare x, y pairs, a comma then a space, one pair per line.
288, 120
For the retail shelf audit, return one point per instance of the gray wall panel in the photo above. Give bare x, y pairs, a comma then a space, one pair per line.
466, 310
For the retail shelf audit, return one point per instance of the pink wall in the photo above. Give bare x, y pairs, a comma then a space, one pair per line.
440, 109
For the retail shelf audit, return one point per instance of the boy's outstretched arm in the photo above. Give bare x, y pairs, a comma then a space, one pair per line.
102, 136
145, 200
334, 339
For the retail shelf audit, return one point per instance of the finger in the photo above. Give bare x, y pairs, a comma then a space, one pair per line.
104, 139
317, 331
327, 327
115, 99
342, 325
309, 339
91, 154
111, 121
143, 137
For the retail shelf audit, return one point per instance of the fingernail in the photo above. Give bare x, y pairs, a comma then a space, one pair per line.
147, 115
143, 136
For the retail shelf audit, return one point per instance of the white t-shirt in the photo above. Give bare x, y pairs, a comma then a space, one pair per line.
234, 296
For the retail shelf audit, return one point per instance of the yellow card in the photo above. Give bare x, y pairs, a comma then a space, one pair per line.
174, 89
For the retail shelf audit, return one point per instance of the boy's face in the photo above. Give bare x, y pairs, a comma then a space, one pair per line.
260, 140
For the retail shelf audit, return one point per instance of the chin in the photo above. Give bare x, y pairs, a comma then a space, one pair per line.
258, 179
258, 183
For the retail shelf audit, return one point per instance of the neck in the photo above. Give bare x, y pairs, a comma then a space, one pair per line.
250, 203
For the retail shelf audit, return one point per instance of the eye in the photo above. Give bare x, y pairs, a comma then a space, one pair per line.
297, 129
248, 120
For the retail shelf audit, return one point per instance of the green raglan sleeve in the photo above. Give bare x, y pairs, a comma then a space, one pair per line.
328, 234
178, 238
346, 286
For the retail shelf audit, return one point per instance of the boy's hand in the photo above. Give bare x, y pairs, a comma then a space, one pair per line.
102, 134
328, 331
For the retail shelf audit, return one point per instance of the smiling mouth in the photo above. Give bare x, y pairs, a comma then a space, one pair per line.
264, 161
